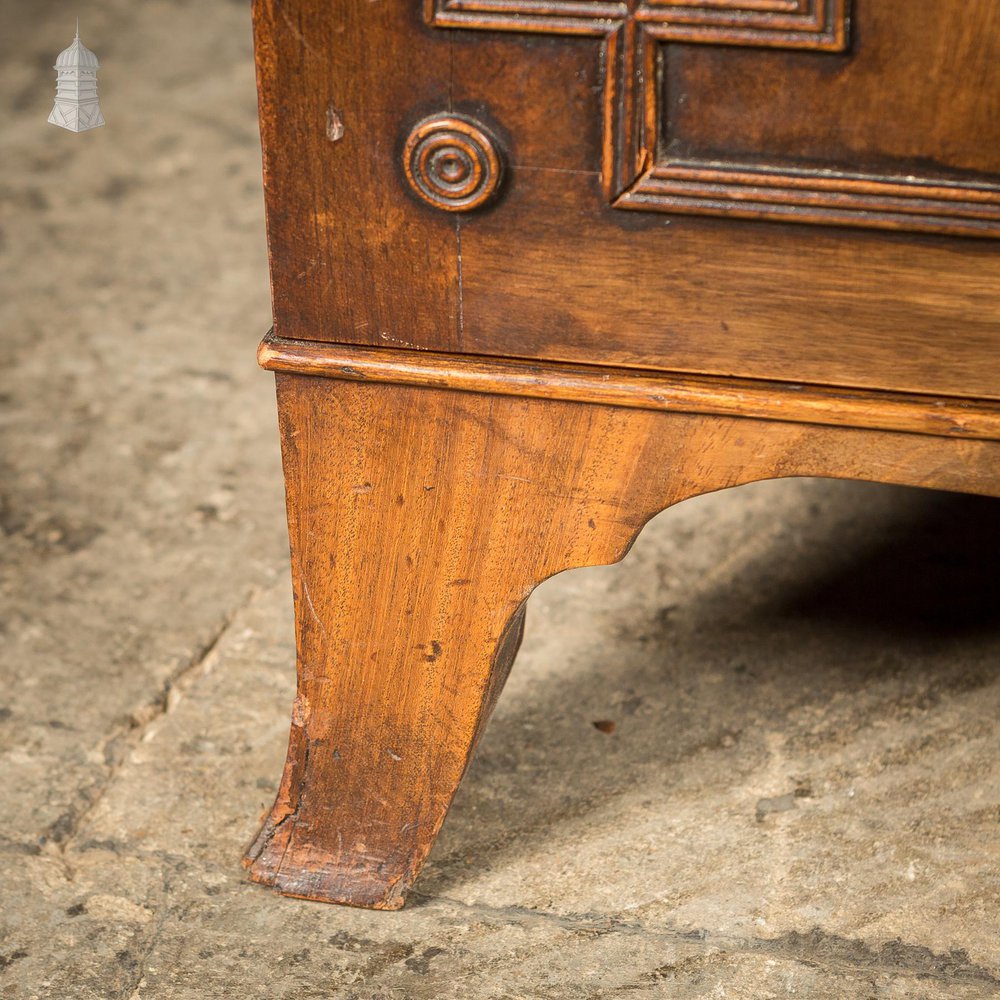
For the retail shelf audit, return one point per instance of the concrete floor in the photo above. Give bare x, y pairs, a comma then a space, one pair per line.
802, 790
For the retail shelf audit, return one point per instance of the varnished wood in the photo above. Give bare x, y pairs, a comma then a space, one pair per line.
771, 302
474, 399
329, 202
452, 163
636, 174
420, 521
947, 417
357, 259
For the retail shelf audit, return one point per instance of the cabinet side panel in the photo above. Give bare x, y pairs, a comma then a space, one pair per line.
353, 258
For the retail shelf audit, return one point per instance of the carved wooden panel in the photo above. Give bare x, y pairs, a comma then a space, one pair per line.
362, 252
646, 167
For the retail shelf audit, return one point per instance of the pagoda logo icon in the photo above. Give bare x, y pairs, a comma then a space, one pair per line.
76, 106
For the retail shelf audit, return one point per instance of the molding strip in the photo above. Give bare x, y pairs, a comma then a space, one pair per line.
637, 170
939, 416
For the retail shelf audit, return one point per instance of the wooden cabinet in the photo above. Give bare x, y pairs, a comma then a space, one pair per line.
541, 268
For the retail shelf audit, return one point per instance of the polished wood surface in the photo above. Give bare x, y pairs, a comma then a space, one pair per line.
554, 271
420, 521
542, 268
810, 145
936, 415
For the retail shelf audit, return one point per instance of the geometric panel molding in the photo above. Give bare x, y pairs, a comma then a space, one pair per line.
638, 175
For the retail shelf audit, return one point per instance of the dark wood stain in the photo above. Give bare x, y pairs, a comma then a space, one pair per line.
728, 241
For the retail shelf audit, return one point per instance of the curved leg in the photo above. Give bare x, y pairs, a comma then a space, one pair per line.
420, 521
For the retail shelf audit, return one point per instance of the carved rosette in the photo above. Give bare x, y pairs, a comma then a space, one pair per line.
452, 163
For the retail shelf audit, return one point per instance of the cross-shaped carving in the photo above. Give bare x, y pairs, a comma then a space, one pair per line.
638, 175
631, 31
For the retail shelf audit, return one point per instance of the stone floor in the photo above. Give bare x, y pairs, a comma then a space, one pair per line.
801, 792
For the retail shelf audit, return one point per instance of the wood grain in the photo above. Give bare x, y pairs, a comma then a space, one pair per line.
473, 401
701, 296
647, 166
943, 416
551, 271
420, 521
329, 202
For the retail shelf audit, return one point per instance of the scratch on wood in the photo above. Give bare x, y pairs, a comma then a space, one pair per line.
312, 609
296, 31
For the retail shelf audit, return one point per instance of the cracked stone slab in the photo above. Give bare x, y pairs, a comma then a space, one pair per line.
758, 759
581, 864
133, 418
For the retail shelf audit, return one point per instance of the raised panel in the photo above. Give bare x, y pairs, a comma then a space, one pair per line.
922, 96
553, 268
777, 134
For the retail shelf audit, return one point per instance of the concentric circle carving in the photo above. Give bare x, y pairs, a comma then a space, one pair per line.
452, 163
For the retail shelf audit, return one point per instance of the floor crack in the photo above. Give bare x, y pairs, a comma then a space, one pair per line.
116, 747
814, 947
